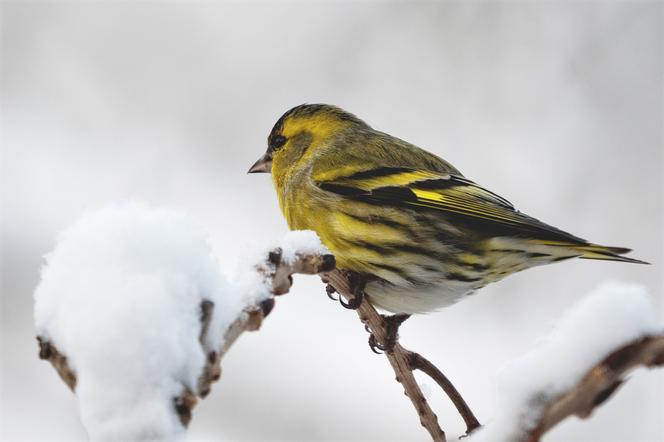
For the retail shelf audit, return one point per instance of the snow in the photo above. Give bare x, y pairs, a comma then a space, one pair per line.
304, 242
296, 242
251, 283
120, 297
611, 316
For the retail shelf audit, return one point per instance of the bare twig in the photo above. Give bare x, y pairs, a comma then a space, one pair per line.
48, 352
183, 405
404, 362
419, 362
599, 383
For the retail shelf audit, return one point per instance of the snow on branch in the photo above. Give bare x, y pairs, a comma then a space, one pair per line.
135, 316
579, 365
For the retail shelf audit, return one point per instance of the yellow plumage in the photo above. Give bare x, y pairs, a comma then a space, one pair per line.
423, 233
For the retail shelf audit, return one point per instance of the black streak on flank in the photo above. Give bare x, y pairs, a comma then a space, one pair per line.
508, 251
459, 277
370, 246
477, 267
375, 220
396, 270
415, 250
562, 258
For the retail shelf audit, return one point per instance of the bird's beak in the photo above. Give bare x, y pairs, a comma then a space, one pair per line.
263, 165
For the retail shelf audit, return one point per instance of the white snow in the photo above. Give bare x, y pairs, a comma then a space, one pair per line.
293, 243
613, 315
301, 242
251, 283
120, 297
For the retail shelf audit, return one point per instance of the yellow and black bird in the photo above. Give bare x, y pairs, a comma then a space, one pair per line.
422, 233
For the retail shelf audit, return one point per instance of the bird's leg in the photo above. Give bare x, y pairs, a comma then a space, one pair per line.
356, 282
392, 324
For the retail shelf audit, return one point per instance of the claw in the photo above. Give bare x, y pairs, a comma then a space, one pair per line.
356, 283
330, 290
373, 345
352, 304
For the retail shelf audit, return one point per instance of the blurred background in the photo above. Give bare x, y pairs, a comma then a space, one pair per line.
557, 106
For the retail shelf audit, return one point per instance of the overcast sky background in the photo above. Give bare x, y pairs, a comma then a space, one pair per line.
557, 106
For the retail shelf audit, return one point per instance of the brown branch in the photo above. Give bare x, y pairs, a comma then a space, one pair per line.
404, 362
48, 352
419, 362
598, 384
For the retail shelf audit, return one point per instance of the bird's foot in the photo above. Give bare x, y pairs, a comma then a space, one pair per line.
373, 344
392, 324
356, 283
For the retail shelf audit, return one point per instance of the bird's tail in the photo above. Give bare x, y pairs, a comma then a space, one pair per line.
595, 251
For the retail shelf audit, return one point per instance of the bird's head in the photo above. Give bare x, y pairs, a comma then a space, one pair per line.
299, 133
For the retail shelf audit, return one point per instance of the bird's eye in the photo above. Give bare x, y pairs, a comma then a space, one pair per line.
277, 142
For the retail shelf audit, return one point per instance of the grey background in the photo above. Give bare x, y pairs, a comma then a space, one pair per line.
557, 106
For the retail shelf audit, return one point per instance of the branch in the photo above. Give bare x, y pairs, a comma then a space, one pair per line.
404, 362
48, 352
597, 385
419, 362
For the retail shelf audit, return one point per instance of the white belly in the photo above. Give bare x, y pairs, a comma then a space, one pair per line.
417, 299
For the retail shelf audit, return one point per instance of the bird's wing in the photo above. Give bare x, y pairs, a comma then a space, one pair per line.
446, 194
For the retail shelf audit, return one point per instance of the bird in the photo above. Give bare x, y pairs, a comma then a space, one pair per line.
421, 234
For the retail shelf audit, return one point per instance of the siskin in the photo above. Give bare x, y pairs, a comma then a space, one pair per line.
422, 234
